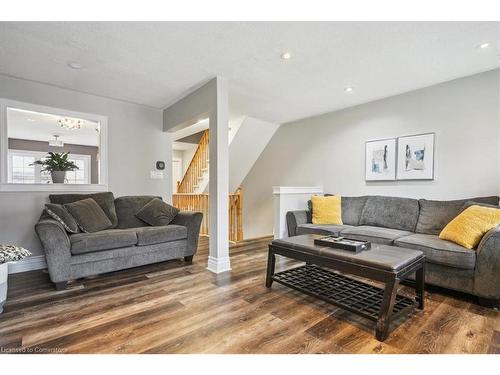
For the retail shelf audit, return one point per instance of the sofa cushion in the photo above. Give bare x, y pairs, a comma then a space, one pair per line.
61, 214
89, 215
156, 213
128, 206
105, 200
154, 235
82, 243
434, 215
385, 236
127, 257
352, 207
472, 203
439, 251
326, 229
390, 212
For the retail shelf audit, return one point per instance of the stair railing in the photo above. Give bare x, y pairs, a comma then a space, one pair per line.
199, 202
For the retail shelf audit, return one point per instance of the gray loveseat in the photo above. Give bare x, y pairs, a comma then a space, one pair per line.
129, 243
416, 224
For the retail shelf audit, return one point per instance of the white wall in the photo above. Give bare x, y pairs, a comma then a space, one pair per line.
248, 142
328, 150
187, 156
136, 142
177, 154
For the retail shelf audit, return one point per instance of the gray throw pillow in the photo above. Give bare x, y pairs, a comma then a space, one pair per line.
128, 206
105, 200
89, 215
157, 213
59, 213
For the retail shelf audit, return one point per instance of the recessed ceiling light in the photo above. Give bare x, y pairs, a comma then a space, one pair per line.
74, 65
484, 45
286, 55
348, 89
31, 120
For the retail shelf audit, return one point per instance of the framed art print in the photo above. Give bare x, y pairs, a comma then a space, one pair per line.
416, 157
380, 160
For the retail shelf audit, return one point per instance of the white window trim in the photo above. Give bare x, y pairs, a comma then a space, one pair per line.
39, 155
4, 148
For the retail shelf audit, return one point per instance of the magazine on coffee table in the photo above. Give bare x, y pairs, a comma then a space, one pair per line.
339, 242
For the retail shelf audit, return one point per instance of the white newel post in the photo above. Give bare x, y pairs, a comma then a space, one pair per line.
290, 198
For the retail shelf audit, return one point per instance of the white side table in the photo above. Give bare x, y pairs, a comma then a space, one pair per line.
8, 253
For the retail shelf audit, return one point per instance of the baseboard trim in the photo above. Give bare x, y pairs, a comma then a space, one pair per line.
253, 239
218, 265
32, 263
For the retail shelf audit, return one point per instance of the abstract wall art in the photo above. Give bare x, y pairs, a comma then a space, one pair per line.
380, 160
416, 157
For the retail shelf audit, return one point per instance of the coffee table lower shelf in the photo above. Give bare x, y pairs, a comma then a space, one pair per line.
342, 291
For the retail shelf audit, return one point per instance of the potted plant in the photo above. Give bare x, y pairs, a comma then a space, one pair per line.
8, 253
57, 164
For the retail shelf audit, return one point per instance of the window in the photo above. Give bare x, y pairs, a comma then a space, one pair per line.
22, 171
28, 132
81, 175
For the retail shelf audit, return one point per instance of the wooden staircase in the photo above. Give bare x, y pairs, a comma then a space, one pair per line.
196, 169
190, 196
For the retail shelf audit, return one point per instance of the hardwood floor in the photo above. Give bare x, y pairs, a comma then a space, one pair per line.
176, 308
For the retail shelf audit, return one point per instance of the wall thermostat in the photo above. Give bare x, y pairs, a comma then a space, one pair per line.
160, 165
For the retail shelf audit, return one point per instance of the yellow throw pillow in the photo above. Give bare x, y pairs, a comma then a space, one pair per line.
326, 210
471, 225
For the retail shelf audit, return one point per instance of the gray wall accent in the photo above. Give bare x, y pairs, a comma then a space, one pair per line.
328, 150
135, 142
192, 108
27, 144
193, 138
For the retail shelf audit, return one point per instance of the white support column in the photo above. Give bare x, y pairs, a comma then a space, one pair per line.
290, 198
218, 259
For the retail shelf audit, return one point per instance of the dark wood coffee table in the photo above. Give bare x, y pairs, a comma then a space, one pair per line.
387, 264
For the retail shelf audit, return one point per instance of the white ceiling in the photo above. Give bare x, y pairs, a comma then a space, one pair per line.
36, 126
156, 63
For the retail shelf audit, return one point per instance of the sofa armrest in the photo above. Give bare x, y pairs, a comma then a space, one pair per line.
487, 271
57, 248
294, 219
191, 220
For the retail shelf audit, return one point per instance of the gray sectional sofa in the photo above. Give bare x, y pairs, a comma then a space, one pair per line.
129, 243
416, 224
